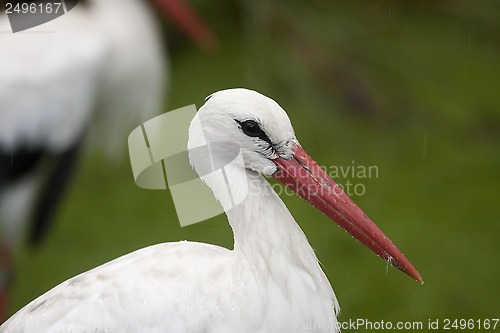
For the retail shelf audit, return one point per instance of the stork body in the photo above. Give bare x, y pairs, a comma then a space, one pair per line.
90, 62
100, 68
270, 282
80, 72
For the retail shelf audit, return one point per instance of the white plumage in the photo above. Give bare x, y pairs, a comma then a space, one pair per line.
98, 69
101, 59
270, 282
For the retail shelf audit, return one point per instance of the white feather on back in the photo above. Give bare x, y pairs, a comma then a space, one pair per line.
104, 62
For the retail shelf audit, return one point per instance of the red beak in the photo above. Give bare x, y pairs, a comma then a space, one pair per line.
303, 175
187, 21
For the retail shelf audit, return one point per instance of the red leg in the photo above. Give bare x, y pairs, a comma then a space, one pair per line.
5, 274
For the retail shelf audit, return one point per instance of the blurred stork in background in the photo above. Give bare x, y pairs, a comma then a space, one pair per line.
100, 68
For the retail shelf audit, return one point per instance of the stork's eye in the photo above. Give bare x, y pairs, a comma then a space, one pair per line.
251, 128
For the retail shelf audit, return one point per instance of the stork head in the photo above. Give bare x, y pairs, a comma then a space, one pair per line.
258, 128
249, 122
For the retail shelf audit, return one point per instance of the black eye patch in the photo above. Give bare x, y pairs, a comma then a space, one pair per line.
252, 129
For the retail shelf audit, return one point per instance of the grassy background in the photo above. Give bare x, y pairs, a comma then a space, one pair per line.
410, 87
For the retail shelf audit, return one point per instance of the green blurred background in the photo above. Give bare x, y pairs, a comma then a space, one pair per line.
411, 87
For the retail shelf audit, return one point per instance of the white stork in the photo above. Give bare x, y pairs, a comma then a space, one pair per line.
270, 282
100, 68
